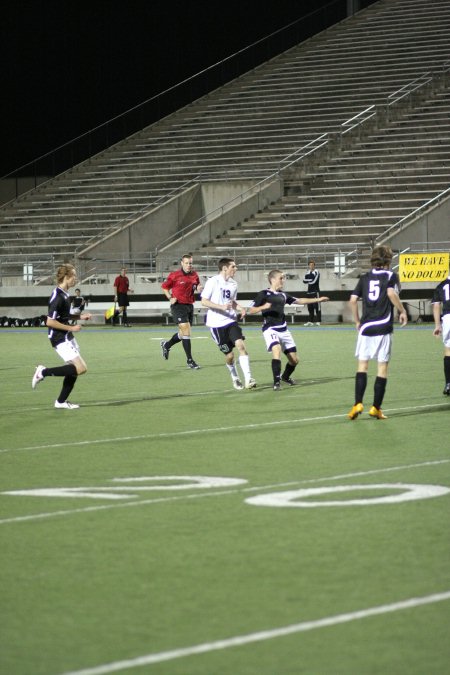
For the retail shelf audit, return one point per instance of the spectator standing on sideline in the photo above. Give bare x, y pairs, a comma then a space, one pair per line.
441, 305
378, 290
78, 305
219, 296
180, 288
312, 279
278, 338
121, 291
61, 338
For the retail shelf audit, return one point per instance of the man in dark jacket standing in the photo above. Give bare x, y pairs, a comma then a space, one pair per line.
312, 279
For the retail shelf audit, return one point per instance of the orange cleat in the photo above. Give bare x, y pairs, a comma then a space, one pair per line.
355, 411
377, 413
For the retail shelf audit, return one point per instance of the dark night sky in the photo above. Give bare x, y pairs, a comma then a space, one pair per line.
69, 66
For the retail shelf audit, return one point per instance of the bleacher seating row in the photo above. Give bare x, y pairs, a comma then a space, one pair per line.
246, 128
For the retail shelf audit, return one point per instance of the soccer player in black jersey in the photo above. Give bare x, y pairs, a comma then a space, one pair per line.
60, 333
441, 306
378, 290
271, 302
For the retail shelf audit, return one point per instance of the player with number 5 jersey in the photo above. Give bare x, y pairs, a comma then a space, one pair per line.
379, 292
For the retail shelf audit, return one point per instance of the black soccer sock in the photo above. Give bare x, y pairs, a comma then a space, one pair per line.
319, 314
311, 312
68, 385
276, 370
61, 371
124, 316
173, 340
187, 347
289, 369
447, 369
360, 386
378, 391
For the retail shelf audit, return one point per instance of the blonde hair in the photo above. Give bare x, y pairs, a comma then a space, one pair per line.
66, 270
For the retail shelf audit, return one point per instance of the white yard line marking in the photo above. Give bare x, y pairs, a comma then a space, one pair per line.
221, 493
262, 636
213, 430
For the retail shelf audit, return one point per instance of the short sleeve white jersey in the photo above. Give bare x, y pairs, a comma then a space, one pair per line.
220, 291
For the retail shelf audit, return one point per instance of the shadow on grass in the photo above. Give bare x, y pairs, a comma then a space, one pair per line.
440, 407
259, 389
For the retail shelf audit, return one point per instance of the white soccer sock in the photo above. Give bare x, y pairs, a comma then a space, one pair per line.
232, 370
244, 362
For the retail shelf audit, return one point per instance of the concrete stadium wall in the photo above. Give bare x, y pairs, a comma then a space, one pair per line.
148, 299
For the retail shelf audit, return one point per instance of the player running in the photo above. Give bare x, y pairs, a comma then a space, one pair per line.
271, 302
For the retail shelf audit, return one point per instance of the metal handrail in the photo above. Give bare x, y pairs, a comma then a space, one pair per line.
312, 146
410, 216
289, 161
136, 215
347, 123
407, 89
256, 188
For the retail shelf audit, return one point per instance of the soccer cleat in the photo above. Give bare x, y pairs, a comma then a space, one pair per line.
289, 381
277, 386
37, 377
446, 391
164, 350
308, 323
67, 404
355, 411
317, 323
191, 364
377, 413
237, 384
250, 383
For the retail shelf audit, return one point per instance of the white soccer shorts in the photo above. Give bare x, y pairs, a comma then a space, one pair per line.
446, 330
285, 339
68, 350
374, 347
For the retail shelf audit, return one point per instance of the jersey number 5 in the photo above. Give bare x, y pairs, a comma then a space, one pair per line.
374, 290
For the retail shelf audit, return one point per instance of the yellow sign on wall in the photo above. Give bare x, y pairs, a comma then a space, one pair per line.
423, 266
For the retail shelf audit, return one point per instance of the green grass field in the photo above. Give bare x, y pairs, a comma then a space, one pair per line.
134, 555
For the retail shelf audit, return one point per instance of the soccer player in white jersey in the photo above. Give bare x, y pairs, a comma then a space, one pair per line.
219, 296
60, 334
378, 290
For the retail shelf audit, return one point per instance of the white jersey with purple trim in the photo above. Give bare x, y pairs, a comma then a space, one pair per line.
220, 291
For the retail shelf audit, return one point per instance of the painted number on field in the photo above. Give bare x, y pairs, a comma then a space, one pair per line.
126, 488
304, 498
